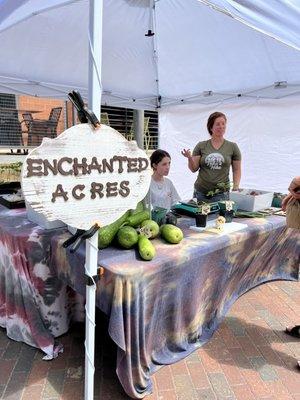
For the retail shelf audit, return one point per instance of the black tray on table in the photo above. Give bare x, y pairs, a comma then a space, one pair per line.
7, 187
12, 204
10, 188
190, 209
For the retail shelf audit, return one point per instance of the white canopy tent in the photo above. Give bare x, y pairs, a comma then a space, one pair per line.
157, 54
201, 51
206, 53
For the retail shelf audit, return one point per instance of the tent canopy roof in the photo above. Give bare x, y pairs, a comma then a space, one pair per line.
201, 51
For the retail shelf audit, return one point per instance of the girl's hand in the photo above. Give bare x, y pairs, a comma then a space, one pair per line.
186, 153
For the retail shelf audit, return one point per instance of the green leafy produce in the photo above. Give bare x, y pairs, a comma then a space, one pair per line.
15, 167
108, 232
146, 248
171, 233
249, 214
220, 188
151, 228
10, 172
127, 237
136, 219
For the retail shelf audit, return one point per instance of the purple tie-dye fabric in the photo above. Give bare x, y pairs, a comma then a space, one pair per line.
161, 311
33, 301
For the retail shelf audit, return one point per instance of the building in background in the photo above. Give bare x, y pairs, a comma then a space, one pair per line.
17, 130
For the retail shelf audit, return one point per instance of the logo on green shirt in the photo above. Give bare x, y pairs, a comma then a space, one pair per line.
214, 161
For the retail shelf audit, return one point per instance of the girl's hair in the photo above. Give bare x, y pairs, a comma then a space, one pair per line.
158, 155
212, 118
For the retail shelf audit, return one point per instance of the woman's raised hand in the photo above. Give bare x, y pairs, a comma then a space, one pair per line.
186, 153
193, 161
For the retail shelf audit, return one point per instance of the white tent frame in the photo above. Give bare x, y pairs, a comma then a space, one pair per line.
231, 8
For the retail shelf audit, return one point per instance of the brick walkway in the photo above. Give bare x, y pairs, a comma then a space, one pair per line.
249, 357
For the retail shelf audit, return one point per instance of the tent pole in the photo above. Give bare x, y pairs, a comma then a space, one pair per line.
95, 56
94, 97
138, 127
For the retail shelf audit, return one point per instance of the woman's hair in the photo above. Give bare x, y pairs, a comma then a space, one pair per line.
212, 118
158, 155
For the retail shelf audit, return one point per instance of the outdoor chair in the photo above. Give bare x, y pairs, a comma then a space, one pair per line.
53, 120
130, 136
153, 142
27, 118
104, 118
40, 128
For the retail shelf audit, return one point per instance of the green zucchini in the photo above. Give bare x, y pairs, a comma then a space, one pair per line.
108, 232
136, 219
139, 207
146, 248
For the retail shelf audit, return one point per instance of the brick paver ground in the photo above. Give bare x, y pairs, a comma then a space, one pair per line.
249, 357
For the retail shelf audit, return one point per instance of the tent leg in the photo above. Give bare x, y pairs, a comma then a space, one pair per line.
138, 124
90, 308
95, 91
95, 56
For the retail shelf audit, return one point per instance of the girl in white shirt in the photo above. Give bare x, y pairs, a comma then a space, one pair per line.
162, 191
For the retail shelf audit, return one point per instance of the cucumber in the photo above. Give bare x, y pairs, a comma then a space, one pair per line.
127, 237
171, 233
146, 248
139, 207
151, 227
136, 219
108, 232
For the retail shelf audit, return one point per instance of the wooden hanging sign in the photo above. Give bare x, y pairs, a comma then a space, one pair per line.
86, 176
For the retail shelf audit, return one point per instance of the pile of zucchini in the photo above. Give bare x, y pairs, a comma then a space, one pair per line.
135, 227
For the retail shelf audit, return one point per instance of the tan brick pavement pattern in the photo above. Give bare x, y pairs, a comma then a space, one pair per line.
248, 358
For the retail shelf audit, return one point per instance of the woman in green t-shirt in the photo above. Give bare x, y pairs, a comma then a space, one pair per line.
212, 159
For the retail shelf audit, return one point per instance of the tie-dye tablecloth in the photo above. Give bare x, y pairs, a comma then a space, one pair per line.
161, 311
34, 303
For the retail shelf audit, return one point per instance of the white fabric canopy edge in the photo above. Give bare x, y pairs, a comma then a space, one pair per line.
234, 9
152, 88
